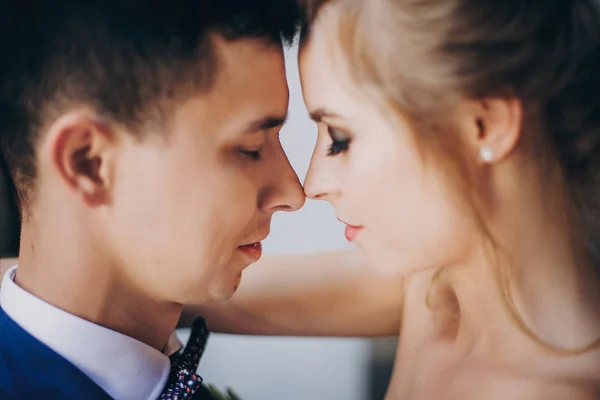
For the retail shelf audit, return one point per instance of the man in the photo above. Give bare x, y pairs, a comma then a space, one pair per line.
142, 138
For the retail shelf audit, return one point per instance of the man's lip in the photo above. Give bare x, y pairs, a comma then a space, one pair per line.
250, 244
261, 239
253, 250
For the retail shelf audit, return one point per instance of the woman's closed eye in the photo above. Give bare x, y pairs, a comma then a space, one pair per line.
340, 141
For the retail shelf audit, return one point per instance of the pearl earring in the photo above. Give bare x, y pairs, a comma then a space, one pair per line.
486, 154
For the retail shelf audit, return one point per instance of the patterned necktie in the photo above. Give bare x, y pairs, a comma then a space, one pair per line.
183, 381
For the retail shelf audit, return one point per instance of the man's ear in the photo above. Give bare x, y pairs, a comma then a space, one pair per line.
495, 127
82, 150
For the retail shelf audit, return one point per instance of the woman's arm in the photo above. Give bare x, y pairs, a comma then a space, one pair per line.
326, 294
323, 294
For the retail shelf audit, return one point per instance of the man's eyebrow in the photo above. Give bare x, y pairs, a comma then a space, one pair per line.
321, 113
266, 123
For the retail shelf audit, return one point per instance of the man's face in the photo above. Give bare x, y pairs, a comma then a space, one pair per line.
187, 211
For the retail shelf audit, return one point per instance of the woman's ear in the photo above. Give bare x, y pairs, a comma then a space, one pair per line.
495, 127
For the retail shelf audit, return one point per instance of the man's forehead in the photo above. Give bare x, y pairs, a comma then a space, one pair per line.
266, 123
250, 91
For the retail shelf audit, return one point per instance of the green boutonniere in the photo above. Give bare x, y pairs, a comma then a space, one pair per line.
228, 395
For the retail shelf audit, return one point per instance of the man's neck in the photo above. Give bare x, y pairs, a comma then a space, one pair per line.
69, 274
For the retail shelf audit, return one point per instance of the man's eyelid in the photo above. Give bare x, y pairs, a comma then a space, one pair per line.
254, 147
257, 143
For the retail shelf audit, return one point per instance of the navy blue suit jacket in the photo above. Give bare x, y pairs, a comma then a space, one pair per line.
31, 370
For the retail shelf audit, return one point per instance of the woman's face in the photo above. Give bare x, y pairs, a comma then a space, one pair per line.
399, 208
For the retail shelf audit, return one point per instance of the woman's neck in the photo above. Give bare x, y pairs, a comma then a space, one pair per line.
536, 253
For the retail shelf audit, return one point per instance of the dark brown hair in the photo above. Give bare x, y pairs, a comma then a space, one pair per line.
124, 58
423, 56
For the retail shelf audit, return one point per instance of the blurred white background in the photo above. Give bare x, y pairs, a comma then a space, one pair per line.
273, 368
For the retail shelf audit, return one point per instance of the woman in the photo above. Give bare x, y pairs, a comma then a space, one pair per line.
460, 142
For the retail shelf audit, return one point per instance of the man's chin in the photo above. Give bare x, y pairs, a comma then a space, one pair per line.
224, 291
238, 280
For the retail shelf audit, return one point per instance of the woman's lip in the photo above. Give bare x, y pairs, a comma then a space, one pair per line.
351, 232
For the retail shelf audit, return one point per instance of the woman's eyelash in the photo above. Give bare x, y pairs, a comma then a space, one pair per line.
338, 144
338, 147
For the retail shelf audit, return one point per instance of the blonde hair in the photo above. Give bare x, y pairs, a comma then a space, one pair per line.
423, 56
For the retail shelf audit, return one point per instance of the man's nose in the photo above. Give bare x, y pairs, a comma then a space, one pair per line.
284, 193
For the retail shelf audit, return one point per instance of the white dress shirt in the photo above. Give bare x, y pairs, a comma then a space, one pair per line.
123, 367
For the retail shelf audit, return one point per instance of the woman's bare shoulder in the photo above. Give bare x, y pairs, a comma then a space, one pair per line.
576, 377
561, 385
571, 391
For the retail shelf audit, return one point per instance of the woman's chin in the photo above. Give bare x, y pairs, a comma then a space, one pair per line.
392, 264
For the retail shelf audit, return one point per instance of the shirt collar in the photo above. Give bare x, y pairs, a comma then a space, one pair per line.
124, 367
